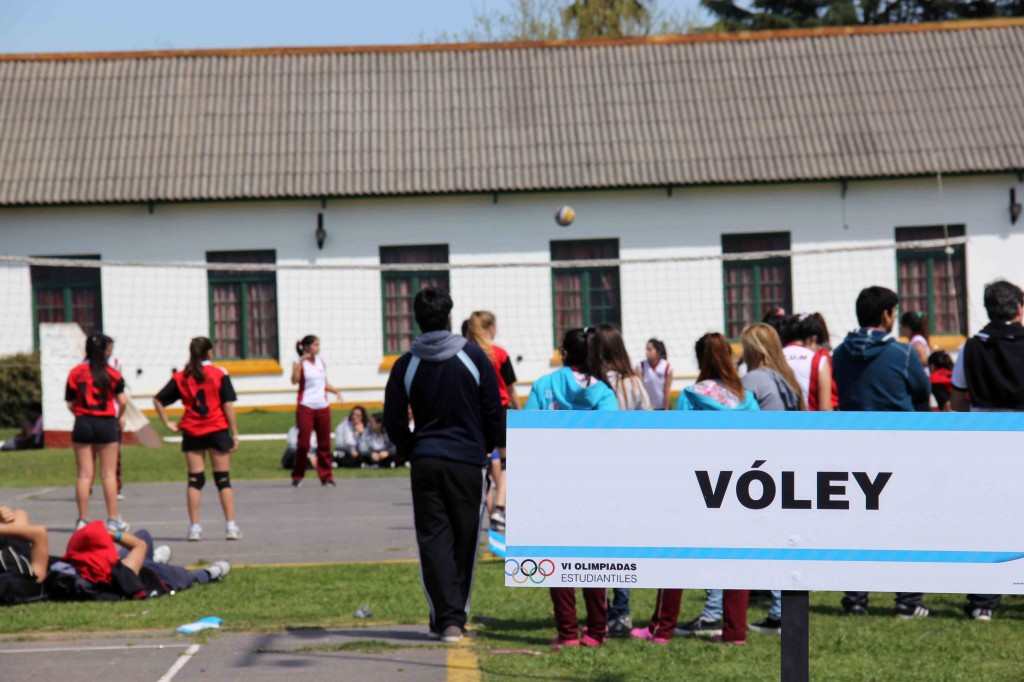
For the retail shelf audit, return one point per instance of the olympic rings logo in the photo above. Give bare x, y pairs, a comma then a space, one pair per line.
529, 570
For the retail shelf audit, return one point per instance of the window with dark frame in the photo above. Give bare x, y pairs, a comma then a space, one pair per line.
584, 296
933, 281
754, 287
243, 307
399, 288
66, 294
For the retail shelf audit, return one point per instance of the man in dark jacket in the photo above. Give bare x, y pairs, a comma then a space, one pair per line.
453, 390
989, 377
876, 373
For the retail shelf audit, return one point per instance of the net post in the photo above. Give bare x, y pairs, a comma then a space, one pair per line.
795, 640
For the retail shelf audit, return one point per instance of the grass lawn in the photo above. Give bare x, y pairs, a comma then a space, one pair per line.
876, 647
254, 459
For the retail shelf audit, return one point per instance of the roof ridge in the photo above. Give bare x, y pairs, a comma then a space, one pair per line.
674, 39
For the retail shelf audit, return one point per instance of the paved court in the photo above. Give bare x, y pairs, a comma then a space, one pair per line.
367, 519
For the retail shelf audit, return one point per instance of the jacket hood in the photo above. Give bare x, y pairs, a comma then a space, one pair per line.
699, 401
867, 343
568, 389
1012, 331
437, 346
788, 395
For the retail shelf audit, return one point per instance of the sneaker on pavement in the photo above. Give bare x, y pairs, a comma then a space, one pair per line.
232, 532
979, 614
451, 634
766, 626
80, 524
218, 569
620, 626
162, 554
118, 525
195, 533
120, 495
296, 482
909, 612
646, 634
700, 626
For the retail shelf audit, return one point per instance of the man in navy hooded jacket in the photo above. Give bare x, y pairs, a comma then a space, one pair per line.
876, 373
453, 391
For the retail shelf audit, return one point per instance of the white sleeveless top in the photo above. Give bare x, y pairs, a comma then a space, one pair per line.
654, 381
799, 359
313, 384
918, 340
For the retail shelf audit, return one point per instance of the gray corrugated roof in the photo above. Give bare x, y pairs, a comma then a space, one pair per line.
408, 121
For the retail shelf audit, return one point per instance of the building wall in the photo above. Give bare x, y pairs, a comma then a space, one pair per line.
152, 311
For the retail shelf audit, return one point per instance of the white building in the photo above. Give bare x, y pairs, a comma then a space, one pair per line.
835, 146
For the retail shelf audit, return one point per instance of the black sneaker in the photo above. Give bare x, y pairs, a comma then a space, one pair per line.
857, 610
700, 626
620, 626
909, 611
767, 626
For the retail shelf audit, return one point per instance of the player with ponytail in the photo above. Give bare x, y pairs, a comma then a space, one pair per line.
207, 425
313, 412
95, 395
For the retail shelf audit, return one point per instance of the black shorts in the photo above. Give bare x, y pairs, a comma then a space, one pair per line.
95, 430
218, 440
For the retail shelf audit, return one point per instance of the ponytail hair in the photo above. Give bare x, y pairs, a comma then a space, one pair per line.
714, 356
477, 332
96, 355
659, 347
302, 346
917, 322
574, 344
198, 352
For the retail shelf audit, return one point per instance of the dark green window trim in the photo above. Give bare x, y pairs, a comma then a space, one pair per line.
563, 253
240, 279
71, 280
930, 257
752, 243
418, 279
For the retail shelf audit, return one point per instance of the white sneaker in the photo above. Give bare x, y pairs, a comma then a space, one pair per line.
232, 532
218, 569
120, 495
162, 554
195, 532
118, 525
80, 524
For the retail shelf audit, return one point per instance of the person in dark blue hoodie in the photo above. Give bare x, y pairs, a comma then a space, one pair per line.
876, 373
453, 391
873, 371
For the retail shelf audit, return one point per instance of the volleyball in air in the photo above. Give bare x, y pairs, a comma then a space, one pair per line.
565, 215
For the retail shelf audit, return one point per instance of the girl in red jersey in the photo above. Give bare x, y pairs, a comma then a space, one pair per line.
313, 412
95, 395
481, 329
208, 424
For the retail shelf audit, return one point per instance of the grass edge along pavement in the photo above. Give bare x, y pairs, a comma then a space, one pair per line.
509, 623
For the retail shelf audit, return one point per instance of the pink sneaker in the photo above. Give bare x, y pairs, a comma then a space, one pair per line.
560, 644
719, 640
591, 641
645, 633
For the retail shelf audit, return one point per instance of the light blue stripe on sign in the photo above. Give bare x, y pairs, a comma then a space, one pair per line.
768, 421
914, 556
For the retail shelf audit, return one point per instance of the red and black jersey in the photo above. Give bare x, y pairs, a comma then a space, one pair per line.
506, 373
89, 399
203, 400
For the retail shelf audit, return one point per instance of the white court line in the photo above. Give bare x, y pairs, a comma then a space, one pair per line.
120, 647
34, 493
179, 664
244, 437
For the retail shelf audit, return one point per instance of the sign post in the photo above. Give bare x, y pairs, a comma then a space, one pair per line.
797, 501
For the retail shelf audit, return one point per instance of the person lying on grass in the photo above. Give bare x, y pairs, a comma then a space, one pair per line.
19, 538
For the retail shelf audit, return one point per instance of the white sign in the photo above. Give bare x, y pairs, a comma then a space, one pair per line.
772, 500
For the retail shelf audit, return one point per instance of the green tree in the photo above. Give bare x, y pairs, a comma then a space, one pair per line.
607, 18
768, 14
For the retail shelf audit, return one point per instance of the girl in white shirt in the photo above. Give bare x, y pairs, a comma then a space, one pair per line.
313, 412
657, 375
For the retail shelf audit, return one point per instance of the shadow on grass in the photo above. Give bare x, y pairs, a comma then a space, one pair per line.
514, 630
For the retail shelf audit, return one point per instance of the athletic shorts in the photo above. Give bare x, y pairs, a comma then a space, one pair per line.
218, 440
95, 430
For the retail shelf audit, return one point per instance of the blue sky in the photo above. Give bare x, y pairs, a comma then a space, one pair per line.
100, 25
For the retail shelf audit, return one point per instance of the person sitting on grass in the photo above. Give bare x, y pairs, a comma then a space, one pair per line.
31, 436
347, 435
375, 448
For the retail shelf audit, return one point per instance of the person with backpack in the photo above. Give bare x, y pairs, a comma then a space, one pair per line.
988, 376
452, 388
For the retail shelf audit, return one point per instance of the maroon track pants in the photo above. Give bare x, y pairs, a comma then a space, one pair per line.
309, 420
734, 620
596, 600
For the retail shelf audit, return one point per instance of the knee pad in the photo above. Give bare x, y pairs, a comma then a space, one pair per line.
197, 481
222, 479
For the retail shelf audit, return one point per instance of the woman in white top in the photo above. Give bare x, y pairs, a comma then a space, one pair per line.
805, 339
657, 375
914, 325
313, 412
